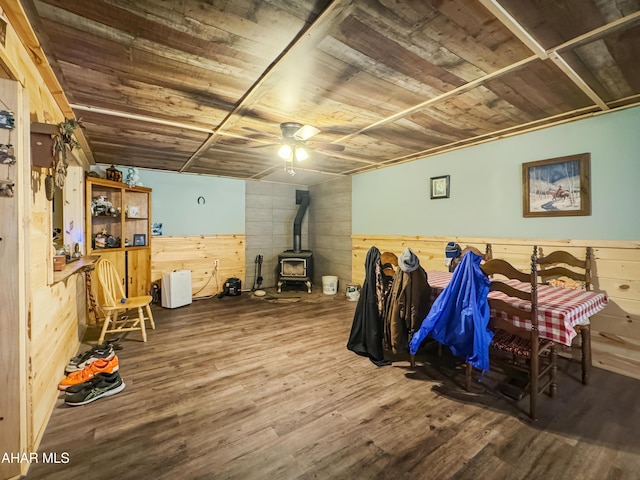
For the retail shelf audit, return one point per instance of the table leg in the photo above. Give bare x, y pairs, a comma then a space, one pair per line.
585, 338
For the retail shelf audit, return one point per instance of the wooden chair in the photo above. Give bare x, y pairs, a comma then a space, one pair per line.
554, 269
517, 349
487, 255
112, 300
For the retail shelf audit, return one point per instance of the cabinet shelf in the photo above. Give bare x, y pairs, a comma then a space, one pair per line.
133, 262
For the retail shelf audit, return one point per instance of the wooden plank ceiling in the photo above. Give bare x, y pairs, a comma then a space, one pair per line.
195, 86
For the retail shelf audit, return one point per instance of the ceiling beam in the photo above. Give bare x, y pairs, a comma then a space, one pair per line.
514, 27
519, 31
461, 89
562, 64
559, 119
140, 118
597, 32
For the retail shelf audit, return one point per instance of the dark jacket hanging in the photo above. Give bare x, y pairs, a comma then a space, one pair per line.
366, 331
407, 303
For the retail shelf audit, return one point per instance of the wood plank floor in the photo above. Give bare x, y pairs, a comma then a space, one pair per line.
247, 388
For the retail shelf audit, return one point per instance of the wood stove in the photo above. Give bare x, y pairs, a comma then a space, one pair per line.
296, 265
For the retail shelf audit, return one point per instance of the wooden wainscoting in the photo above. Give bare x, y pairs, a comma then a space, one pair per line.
616, 272
57, 310
198, 253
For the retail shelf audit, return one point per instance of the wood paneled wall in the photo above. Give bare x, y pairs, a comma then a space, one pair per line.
616, 272
58, 311
54, 314
198, 254
13, 303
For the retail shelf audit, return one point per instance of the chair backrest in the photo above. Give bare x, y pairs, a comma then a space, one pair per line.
112, 290
557, 265
469, 248
528, 293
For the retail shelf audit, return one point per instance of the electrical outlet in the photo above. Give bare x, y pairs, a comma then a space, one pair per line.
216, 263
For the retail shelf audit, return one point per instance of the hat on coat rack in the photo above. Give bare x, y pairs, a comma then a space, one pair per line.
451, 251
389, 260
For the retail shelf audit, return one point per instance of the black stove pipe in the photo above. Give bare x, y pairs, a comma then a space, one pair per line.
302, 199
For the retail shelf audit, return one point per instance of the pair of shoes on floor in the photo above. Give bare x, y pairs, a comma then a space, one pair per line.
101, 351
100, 386
101, 365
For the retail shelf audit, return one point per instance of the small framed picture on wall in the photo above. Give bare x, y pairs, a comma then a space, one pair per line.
139, 240
440, 187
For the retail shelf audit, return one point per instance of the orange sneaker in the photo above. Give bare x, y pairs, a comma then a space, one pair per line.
90, 371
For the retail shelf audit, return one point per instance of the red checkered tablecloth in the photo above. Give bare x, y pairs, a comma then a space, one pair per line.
560, 310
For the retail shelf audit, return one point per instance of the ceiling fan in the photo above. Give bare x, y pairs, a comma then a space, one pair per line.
293, 143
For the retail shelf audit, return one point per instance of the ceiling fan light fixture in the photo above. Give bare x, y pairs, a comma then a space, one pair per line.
301, 154
284, 151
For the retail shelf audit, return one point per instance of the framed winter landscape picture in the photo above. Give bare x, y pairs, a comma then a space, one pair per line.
557, 187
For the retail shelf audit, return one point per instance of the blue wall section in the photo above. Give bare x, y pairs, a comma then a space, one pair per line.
486, 186
175, 202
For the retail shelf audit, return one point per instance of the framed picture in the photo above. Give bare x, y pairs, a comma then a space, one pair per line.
156, 228
557, 187
139, 240
440, 187
133, 211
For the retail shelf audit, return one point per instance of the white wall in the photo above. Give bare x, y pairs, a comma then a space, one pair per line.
174, 202
486, 186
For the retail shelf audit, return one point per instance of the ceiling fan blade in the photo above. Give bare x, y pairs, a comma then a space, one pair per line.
264, 134
264, 145
305, 132
329, 147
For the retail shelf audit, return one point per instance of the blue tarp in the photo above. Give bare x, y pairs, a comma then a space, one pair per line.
459, 317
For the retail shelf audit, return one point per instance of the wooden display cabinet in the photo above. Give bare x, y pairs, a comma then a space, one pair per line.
119, 229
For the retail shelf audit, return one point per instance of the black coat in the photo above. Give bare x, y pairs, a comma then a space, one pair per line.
367, 328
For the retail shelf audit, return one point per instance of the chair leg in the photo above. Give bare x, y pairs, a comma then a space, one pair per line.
468, 373
153, 324
105, 326
142, 326
553, 355
534, 379
585, 348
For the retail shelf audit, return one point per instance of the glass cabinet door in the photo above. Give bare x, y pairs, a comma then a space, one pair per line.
106, 217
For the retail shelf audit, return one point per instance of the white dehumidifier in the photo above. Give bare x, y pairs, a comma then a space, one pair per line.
176, 288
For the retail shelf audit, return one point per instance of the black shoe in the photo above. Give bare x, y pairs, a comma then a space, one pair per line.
104, 351
98, 387
109, 377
